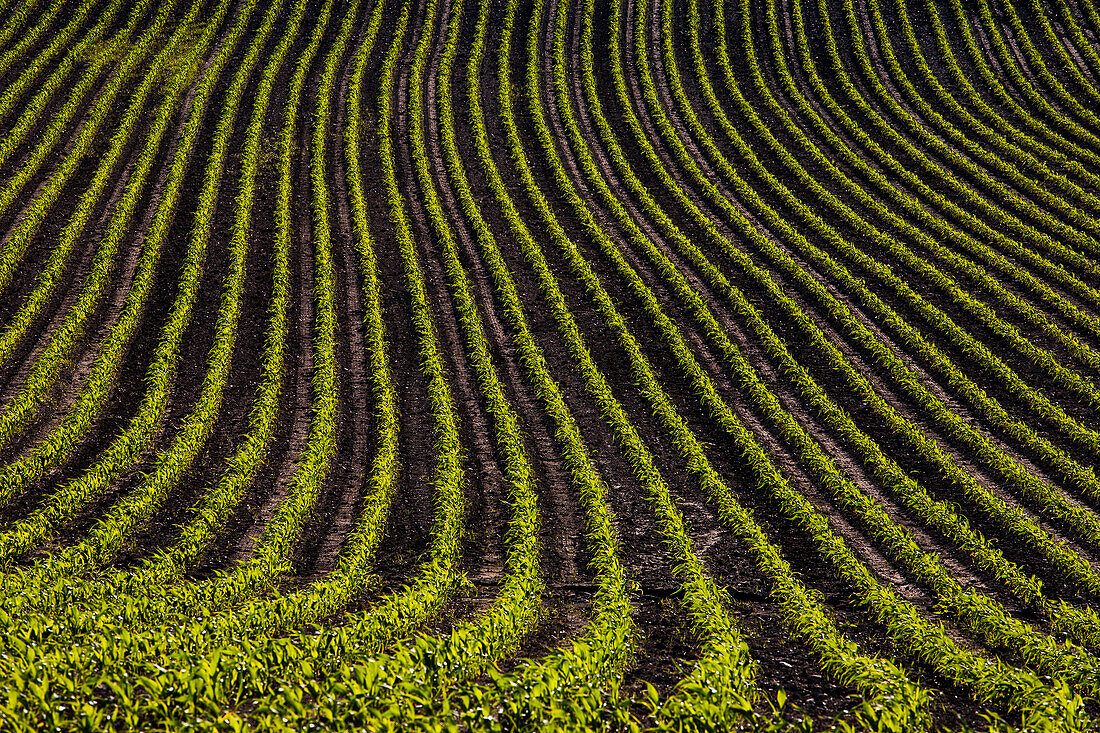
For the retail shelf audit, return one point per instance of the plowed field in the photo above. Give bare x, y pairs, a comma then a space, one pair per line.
623, 365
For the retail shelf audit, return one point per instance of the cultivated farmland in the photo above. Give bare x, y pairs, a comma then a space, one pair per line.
624, 365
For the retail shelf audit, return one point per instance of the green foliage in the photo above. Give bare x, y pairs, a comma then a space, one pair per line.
695, 198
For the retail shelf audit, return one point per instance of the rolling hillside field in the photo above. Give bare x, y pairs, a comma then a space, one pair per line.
550, 365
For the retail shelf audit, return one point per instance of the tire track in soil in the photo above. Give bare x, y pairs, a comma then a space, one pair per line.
858, 177
874, 56
561, 512
667, 642
41, 245
1071, 49
14, 372
990, 56
569, 586
1037, 36
1014, 90
668, 636
31, 348
957, 452
1021, 62
837, 339
1008, 400
82, 361
39, 249
1040, 339
922, 287
853, 70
